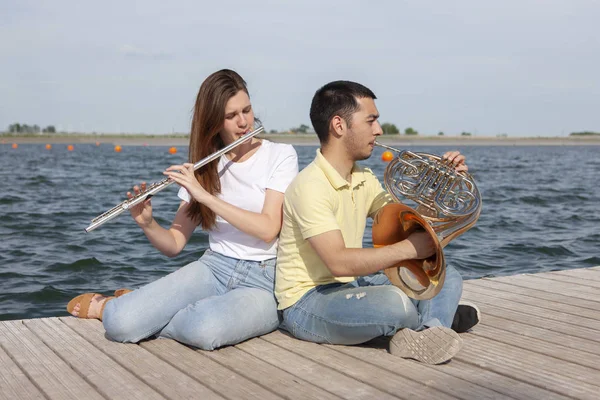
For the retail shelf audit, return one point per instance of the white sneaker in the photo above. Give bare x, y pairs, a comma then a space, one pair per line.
430, 346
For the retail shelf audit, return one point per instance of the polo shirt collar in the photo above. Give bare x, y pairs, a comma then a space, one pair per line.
334, 177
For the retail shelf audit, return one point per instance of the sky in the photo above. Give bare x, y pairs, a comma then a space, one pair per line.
514, 67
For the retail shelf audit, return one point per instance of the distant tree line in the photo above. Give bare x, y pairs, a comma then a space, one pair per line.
391, 129
301, 129
24, 128
387, 127
584, 133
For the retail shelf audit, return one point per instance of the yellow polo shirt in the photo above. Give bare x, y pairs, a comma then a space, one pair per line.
319, 200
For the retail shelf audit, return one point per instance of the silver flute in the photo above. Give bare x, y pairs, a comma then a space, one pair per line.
158, 186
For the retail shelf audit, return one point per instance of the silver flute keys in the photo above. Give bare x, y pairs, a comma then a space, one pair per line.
158, 186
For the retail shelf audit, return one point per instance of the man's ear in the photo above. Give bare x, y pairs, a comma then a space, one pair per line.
338, 126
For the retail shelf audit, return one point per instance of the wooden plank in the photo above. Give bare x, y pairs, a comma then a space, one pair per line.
156, 373
585, 273
316, 373
529, 319
581, 281
210, 373
109, 378
456, 378
550, 373
355, 368
582, 292
280, 380
593, 325
14, 383
538, 294
532, 301
51, 375
531, 331
540, 346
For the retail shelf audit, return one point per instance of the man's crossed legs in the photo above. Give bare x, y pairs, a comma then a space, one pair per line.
370, 306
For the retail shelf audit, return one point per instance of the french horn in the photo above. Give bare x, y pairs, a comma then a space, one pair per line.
448, 204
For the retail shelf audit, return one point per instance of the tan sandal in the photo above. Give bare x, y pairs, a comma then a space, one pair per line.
84, 301
121, 292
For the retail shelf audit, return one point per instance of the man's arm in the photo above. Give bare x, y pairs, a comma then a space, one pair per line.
342, 261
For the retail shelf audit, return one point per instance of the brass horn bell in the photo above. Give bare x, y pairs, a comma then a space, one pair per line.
419, 279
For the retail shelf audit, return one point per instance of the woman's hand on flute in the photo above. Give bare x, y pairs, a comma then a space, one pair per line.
184, 176
142, 212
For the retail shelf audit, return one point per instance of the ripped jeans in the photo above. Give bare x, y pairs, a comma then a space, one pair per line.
361, 310
212, 302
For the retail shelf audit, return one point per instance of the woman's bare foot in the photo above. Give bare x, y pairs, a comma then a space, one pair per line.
96, 307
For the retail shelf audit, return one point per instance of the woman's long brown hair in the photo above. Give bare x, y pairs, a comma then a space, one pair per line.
209, 116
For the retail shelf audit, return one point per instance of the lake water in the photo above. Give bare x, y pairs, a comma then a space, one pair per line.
540, 213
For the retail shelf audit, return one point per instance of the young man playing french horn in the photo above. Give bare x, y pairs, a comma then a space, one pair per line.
330, 289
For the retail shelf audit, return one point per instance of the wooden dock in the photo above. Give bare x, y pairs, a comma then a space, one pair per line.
539, 339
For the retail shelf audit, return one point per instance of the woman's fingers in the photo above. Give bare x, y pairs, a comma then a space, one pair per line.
178, 177
137, 190
177, 168
173, 174
184, 169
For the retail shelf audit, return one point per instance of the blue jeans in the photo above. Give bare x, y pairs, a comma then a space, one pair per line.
366, 308
212, 302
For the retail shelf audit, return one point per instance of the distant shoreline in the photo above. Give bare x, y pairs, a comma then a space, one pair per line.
303, 140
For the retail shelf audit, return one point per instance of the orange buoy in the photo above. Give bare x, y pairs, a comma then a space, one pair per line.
70, 147
97, 143
14, 145
173, 150
48, 146
118, 148
387, 156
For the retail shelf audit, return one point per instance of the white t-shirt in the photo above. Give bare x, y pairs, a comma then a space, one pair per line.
244, 185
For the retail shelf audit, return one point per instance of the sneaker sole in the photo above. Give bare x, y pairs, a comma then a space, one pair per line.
430, 346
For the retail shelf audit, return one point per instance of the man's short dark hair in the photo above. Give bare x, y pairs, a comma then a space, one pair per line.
336, 98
